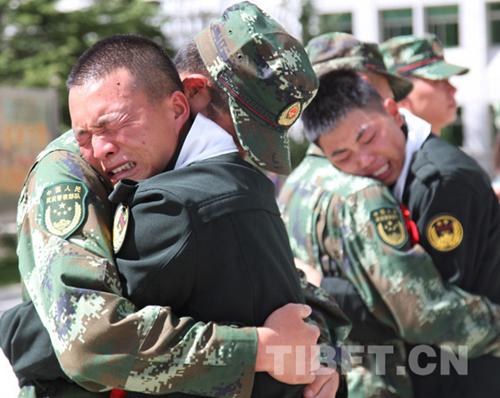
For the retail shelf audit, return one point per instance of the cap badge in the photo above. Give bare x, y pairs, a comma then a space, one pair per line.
290, 114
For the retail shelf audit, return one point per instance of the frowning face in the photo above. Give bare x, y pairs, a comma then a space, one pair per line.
366, 143
122, 132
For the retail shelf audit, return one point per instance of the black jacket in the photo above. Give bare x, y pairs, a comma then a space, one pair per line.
208, 241
458, 216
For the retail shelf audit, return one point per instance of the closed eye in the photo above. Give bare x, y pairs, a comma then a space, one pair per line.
367, 137
82, 137
341, 157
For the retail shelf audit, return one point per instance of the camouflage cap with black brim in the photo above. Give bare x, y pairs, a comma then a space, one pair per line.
267, 76
413, 56
338, 50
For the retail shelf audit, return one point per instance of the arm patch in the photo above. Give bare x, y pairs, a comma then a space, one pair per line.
444, 232
389, 226
63, 207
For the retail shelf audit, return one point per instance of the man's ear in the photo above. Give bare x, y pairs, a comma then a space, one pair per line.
392, 109
180, 106
196, 88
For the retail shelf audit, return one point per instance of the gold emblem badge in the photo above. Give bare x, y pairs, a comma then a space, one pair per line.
389, 226
63, 207
444, 233
120, 223
290, 114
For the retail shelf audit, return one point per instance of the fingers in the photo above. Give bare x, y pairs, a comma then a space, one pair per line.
329, 390
303, 310
286, 327
314, 388
314, 331
315, 356
325, 385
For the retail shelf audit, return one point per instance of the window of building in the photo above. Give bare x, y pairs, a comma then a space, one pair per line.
443, 22
454, 133
494, 19
335, 23
396, 23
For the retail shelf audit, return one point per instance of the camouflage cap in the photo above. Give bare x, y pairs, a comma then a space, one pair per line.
338, 50
267, 75
419, 57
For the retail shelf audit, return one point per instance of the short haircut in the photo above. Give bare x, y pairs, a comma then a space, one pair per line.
339, 93
188, 60
146, 61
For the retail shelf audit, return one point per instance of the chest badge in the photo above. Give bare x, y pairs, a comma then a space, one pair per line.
120, 223
444, 233
389, 226
63, 207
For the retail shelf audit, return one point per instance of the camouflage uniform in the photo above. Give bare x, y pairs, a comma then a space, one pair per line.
336, 222
461, 235
76, 289
67, 267
352, 227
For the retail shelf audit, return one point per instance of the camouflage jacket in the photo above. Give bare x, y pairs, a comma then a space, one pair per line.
353, 227
100, 338
82, 306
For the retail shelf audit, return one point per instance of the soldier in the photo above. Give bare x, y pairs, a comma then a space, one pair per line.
421, 59
455, 209
95, 372
327, 213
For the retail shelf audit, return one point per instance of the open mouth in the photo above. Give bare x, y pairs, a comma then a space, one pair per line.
381, 171
121, 169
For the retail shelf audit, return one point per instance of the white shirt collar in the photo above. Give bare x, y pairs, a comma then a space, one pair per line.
204, 140
418, 131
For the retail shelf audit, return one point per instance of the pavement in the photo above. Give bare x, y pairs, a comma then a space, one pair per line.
9, 296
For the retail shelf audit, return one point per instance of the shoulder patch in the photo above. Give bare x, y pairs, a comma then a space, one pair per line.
120, 223
389, 226
444, 232
64, 207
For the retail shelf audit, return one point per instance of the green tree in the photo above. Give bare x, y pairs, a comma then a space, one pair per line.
39, 43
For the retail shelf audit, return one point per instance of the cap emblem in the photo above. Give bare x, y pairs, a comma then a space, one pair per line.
290, 114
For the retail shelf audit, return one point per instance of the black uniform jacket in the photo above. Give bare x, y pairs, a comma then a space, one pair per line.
458, 217
208, 241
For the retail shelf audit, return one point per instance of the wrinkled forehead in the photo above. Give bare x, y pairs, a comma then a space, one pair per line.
355, 121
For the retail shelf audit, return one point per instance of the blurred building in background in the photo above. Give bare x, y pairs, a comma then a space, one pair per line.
469, 29
188, 17
470, 32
